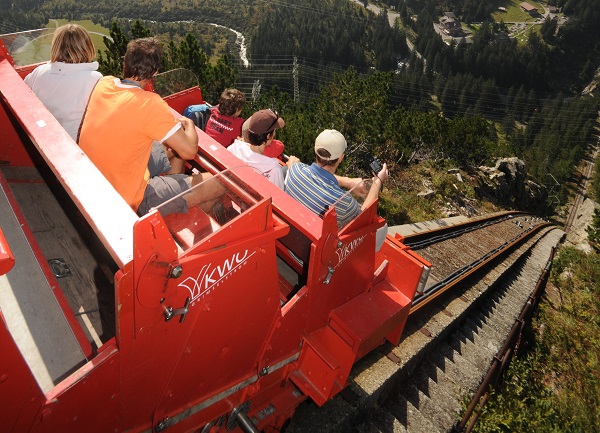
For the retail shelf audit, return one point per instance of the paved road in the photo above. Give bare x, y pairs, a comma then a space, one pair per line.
392, 16
377, 10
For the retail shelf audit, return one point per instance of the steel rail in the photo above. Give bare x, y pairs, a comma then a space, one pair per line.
413, 238
460, 274
454, 233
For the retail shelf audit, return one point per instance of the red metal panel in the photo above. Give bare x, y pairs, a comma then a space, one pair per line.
348, 258
365, 321
12, 150
288, 331
87, 401
20, 395
324, 365
7, 260
4, 54
181, 100
231, 281
405, 267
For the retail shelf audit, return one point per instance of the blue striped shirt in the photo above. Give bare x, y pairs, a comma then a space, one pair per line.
317, 189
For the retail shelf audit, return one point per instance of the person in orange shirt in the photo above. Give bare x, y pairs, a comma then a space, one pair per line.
122, 121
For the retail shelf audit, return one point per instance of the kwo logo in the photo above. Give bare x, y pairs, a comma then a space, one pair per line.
347, 249
211, 276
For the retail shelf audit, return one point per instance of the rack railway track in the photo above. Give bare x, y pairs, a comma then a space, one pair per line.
483, 272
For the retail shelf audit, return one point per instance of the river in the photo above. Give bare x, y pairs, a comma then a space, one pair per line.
241, 41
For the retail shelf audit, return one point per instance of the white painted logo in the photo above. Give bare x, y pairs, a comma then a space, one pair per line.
347, 249
211, 276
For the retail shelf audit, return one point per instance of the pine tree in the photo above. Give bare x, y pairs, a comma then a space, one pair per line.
593, 231
111, 62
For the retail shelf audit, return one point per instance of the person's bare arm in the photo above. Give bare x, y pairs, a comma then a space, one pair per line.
185, 141
351, 182
376, 187
292, 160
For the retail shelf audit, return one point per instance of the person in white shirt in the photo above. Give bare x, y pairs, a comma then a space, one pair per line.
65, 83
261, 132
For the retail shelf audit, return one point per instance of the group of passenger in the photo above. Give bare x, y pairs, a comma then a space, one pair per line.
133, 138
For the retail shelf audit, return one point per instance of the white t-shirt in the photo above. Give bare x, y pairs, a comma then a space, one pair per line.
269, 167
65, 88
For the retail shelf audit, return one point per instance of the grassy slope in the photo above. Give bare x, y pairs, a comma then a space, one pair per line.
554, 384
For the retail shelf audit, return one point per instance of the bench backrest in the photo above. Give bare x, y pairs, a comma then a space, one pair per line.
36, 129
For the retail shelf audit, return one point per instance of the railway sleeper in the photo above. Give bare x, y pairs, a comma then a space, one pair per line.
410, 416
484, 328
381, 421
444, 390
428, 406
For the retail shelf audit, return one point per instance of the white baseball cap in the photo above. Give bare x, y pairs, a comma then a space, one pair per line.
332, 142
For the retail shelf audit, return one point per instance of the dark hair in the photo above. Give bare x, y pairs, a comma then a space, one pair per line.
321, 154
142, 59
231, 101
258, 139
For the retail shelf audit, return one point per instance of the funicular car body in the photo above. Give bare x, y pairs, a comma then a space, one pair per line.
221, 324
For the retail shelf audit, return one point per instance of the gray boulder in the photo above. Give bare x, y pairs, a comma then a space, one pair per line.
508, 185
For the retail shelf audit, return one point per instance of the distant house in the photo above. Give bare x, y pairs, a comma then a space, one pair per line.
552, 9
526, 7
450, 25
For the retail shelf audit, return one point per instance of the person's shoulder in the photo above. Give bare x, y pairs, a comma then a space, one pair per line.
39, 70
233, 147
274, 162
108, 79
107, 82
238, 148
298, 169
42, 68
299, 166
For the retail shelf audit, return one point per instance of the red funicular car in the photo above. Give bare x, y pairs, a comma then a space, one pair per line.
213, 322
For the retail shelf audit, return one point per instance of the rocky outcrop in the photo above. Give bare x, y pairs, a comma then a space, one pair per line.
507, 185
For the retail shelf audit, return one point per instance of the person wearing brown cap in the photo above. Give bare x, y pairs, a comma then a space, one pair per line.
318, 187
261, 132
274, 149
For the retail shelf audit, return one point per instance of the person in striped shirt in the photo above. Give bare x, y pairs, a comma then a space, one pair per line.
318, 187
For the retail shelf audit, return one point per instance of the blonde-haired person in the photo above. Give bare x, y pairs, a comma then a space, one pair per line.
65, 83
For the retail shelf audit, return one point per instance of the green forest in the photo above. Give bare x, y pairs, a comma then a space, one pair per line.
462, 104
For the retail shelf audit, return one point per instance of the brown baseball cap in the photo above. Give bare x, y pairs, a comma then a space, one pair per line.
265, 121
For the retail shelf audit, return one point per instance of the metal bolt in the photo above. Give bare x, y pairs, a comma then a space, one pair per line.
176, 271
